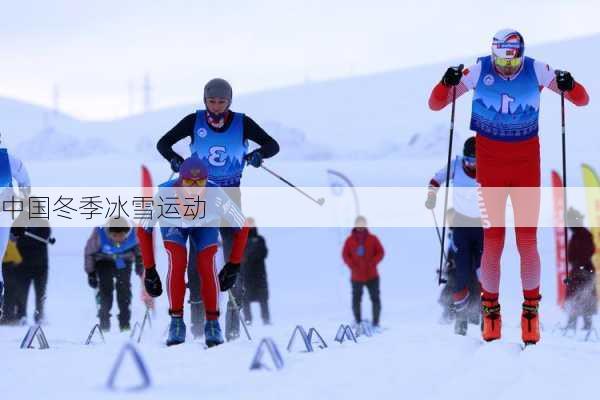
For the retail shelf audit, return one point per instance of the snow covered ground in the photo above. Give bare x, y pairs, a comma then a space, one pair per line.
414, 356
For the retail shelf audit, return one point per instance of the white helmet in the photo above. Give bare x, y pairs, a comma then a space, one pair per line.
508, 48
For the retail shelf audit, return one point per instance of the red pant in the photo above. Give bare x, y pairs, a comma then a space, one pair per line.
509, 169
205, 263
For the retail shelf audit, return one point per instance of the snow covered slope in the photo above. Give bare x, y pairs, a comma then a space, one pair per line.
367, 117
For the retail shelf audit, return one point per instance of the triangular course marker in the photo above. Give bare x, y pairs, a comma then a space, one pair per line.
312, 332
345, 333
35, 332
268, 345
299, 329
90, 337
139, 363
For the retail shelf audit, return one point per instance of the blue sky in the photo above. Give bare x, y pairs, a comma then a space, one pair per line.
93, 51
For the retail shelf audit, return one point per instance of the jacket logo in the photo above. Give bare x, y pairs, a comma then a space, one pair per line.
488, 80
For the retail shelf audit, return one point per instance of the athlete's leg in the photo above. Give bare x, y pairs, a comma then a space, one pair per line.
174, 240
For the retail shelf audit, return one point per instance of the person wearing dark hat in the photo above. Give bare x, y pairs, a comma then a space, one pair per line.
582, 299
220, 136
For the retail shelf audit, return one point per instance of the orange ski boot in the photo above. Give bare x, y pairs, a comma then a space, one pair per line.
530, 322
492, 322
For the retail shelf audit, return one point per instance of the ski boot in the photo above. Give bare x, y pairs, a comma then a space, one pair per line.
530, 323
105, 324
212, 333
176, 331
125, 327
492, 321
587, 323
232, 323
461, 312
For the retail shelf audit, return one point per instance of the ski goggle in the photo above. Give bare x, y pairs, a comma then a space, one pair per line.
469, 161
193, 182
507, 62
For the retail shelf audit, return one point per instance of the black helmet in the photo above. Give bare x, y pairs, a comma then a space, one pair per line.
469, 147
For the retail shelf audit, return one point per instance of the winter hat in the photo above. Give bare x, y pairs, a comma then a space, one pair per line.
218, 88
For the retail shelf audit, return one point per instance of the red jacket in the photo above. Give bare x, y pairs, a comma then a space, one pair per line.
362, 252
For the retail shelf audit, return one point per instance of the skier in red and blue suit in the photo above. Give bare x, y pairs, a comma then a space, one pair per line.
505, 112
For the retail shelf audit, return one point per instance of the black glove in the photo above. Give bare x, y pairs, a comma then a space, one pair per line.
431, 200
93, 280
564, 81
176, 164
228, 276
452, 76
152, 282
254, 158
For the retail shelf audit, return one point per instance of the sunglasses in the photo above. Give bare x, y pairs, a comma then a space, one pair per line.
194, 182
469, 160
507, 62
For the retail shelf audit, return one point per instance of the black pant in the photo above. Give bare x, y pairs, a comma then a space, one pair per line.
357, 291
107, 274
197, 311
468, 243
264, 311
11, 292
38, 275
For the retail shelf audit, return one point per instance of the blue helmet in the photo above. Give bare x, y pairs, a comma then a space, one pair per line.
192, 168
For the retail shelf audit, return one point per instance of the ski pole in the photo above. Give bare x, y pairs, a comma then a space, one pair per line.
50, 240
437, 229
320, 201
440, 280
237, 308
564, 177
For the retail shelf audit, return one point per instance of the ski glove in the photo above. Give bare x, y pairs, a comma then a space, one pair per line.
564, 81
176, 164
228, 276
431, 200
93, 280
254, 158
152, 282
452, 76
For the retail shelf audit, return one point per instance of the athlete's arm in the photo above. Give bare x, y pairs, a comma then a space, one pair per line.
240, 238
547, 78
441, 95
185, 128
252, 131
19, 172
92, 246
440, 177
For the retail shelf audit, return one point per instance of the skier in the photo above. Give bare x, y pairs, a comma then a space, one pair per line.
193, 175
10, 168
505, 112
34, 268
220, 138
110, 252
362, 253
254, 275
582, 299
467, 233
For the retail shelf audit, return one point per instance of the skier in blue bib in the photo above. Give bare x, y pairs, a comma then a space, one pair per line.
110, 252
220, 138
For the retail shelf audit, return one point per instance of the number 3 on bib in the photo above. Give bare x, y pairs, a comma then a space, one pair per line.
217, 156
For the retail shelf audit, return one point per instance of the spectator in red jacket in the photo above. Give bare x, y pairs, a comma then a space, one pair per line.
362, 252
